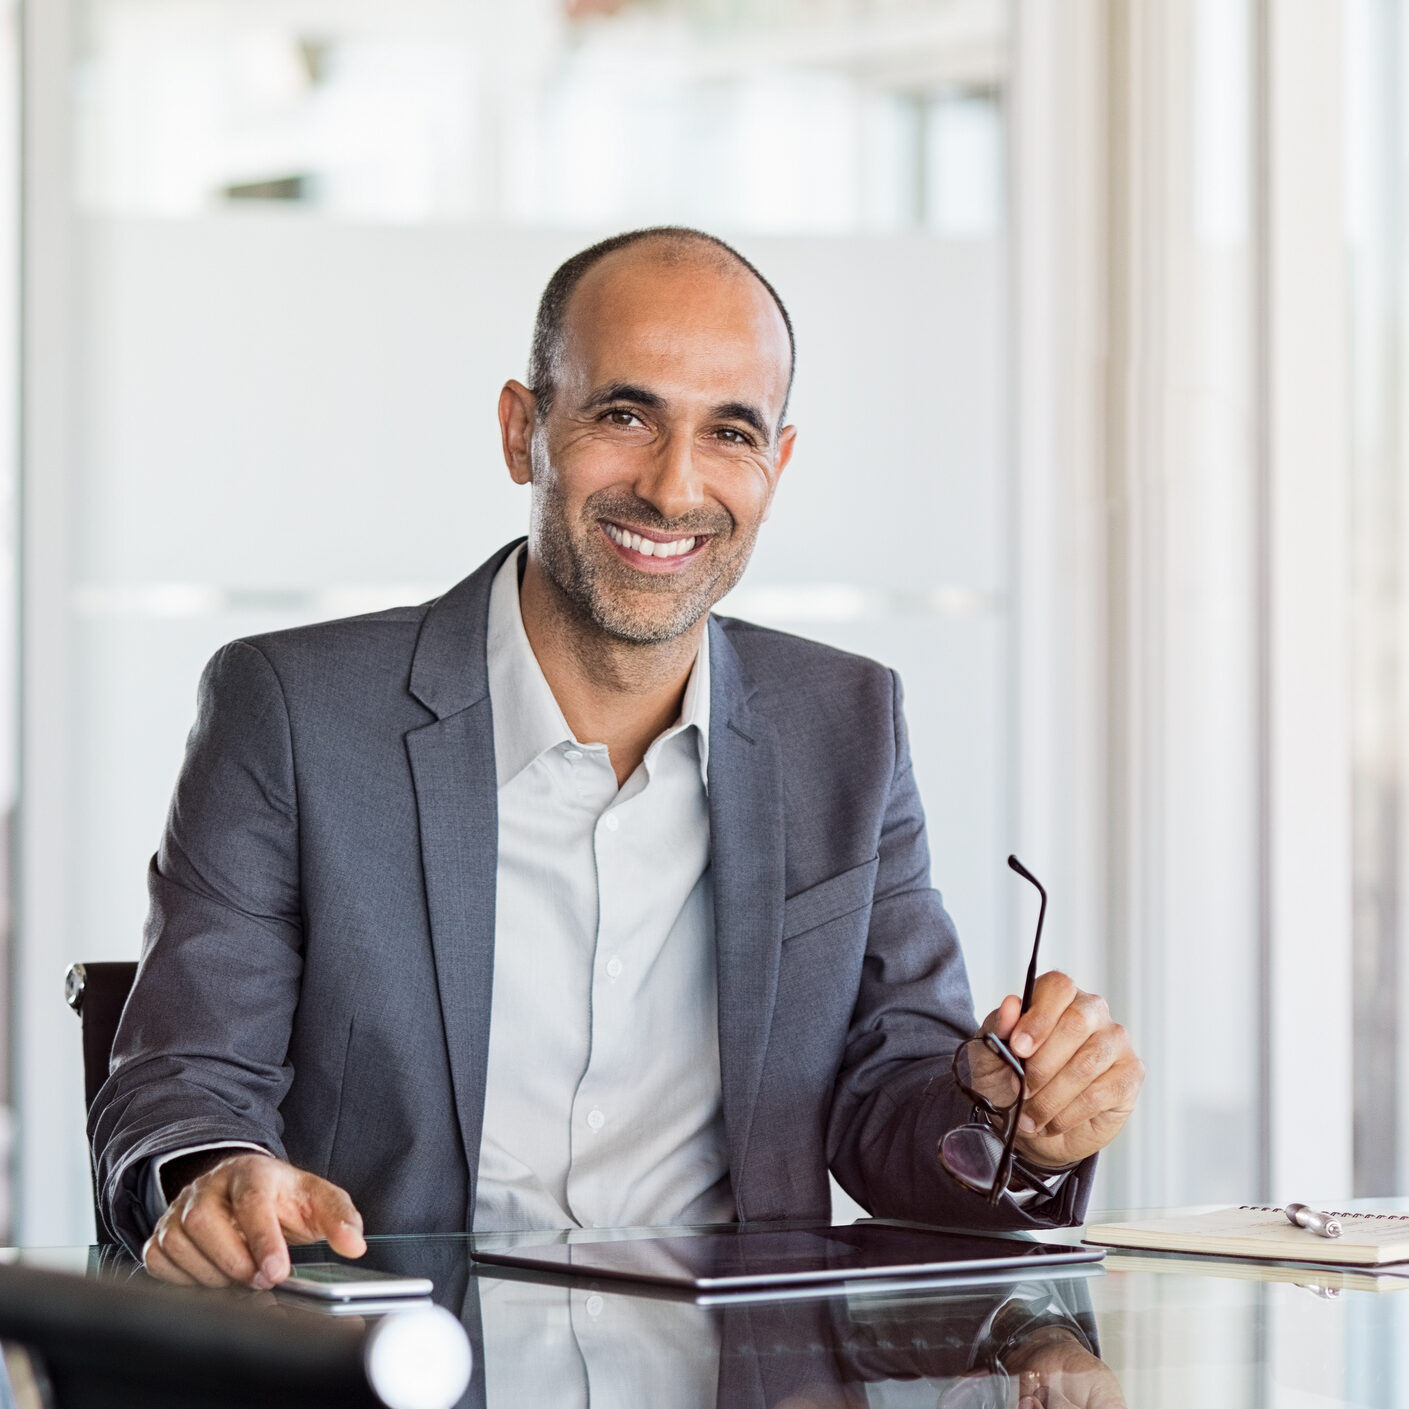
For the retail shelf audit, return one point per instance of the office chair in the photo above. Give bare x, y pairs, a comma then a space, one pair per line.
97, 992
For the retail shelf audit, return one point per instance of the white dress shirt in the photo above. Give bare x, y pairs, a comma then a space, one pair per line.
603, 1104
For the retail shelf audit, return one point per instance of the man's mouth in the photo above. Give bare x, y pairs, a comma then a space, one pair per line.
647, 547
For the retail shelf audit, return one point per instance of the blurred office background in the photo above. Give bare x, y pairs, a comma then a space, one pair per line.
1101, 308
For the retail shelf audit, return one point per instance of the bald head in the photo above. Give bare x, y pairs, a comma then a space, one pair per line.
668, 246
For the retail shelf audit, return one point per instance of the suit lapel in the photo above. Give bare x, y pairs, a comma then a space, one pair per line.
452, 762
457, 797
746, 857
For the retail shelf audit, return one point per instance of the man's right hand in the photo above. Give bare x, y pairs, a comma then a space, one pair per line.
234, 1223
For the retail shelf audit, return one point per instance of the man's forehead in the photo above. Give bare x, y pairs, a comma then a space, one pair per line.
666, 261
695, 310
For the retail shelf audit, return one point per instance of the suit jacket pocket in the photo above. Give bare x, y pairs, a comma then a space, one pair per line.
842, 894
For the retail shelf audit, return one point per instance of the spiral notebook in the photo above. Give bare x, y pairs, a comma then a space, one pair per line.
1367, 1239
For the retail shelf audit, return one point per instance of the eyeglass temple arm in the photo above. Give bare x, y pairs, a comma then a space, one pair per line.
1027, 875
1004, 1172
1005, 1165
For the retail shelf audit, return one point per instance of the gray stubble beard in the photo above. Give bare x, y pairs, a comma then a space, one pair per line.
585, 584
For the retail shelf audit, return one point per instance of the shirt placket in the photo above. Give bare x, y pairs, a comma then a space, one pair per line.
592, 1109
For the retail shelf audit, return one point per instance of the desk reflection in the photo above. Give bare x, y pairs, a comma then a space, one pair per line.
1175, 1331
604, 1346
1027, 1343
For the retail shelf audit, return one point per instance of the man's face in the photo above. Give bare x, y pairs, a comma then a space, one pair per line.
657, 462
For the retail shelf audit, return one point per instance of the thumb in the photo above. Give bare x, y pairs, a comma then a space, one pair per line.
1004, 1018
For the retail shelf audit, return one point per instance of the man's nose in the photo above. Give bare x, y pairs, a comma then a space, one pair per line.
670, 482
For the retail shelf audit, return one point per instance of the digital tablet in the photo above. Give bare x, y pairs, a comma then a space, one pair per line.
746, 1257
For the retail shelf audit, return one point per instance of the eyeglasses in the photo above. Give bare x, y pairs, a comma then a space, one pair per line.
979, 1154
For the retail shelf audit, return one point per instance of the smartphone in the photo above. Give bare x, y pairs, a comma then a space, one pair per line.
336, 1281
370, 1308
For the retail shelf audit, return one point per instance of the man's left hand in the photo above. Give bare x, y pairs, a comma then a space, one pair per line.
1082, 1074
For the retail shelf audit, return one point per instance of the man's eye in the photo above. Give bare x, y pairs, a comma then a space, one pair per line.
733, 436
618, 417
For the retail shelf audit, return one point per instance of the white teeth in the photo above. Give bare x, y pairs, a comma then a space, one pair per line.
648, 547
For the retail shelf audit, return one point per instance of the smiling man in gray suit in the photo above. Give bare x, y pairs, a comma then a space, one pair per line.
556, 901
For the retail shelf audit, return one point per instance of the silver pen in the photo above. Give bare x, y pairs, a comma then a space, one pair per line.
1319, 1223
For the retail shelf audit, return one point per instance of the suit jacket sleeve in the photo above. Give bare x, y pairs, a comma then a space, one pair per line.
201, 1054
895, 1096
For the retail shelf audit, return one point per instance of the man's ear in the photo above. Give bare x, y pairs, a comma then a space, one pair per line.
787, 439
518, 413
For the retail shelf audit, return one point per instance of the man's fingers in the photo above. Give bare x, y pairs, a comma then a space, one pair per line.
161, 1266
346, 1238
1111, 1097
1051, 996
206, 1220
179, 1250
333, 1215
311, 1208
1084, 1044
254, 1201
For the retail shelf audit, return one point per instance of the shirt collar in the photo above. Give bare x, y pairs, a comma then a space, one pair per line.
528, 720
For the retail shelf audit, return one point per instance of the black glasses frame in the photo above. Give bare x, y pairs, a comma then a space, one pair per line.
1003, 1173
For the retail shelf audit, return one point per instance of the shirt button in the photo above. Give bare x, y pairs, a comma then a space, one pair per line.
614, 966
611, 821
594, 1305
596, 1119
573, 755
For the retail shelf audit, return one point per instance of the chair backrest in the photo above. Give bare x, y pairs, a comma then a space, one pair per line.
97, 992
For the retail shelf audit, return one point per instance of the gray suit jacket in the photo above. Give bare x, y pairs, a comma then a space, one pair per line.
318, 958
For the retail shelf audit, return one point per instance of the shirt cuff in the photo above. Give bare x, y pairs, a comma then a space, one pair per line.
1029, 1186
154, 1198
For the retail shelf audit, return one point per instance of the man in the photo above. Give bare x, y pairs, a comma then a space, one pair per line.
555, 901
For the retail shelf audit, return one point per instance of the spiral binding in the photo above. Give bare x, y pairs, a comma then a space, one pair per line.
1330, 1212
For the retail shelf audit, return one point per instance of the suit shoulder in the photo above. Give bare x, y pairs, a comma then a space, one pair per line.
779, 659
384, 638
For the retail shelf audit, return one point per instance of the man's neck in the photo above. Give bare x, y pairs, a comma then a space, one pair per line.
610, 691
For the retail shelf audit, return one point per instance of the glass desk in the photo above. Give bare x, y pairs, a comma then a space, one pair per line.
1147, 1330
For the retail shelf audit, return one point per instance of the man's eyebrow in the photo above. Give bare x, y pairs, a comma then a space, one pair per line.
623, 391
616, 392
742, 411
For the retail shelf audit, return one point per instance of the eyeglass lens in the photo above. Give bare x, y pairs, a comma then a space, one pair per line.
973, 1154
988, 1073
